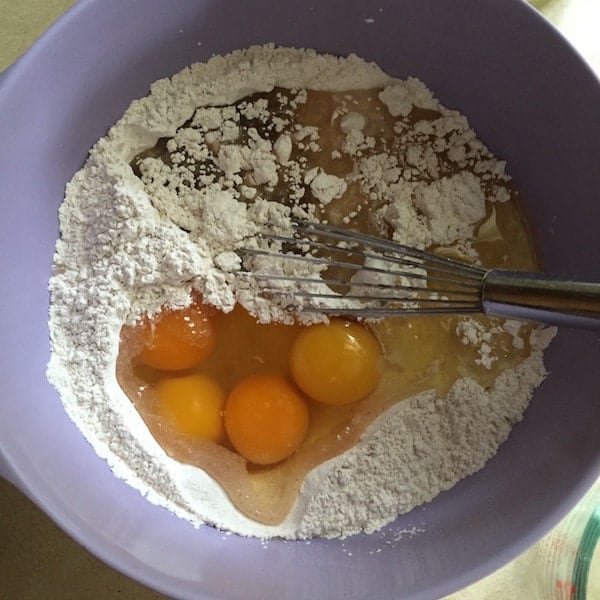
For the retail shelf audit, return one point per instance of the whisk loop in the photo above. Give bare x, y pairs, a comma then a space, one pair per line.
335, 271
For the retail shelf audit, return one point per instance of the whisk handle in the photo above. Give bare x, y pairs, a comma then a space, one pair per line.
538, 297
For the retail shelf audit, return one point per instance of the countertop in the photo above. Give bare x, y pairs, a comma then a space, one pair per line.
38, 560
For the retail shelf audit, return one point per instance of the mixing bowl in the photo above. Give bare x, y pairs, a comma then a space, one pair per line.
530, 98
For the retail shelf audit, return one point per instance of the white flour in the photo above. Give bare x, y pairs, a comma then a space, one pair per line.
128, 246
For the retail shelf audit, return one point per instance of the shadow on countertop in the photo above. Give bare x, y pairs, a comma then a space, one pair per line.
39, 561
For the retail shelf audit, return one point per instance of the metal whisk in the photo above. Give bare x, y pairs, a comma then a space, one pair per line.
335, 271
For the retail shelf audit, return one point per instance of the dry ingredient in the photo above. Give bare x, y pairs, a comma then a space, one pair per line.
130, 244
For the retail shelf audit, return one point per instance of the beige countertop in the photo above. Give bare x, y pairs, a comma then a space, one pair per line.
39, 561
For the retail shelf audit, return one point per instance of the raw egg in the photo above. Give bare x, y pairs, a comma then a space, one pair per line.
336, 363
178, 339
266, 419
193, 405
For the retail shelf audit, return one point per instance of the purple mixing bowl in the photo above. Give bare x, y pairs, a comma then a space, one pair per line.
531, 99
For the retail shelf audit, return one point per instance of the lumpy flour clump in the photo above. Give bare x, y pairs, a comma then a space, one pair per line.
194, 172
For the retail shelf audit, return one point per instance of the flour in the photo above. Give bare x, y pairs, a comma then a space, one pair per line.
423, 440
131, 244
325, 187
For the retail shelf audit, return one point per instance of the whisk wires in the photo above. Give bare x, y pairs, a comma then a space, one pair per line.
342, 271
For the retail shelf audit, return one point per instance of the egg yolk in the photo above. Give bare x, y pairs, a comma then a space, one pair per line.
265, 418
193, 405
178, 339
336, 363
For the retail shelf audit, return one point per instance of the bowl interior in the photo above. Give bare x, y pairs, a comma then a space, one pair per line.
531, 100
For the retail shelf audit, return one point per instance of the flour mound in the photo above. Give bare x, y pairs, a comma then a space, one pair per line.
130, 245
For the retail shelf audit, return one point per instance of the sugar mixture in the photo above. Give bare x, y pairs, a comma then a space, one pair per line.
248, 141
